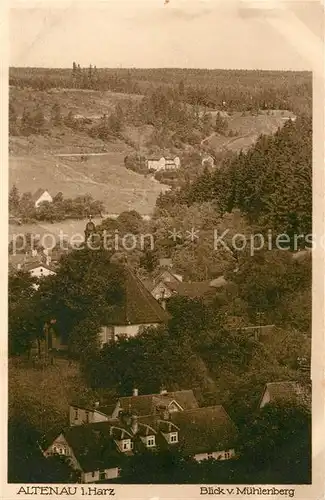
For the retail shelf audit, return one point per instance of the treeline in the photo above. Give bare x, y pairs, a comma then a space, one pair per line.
239, 90
22, 206
271, 184
34, 120
76, 78
38, 121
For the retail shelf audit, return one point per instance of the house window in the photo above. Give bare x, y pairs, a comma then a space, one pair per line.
55, 450
127, 445
210, 455
119, 470
227, 455
76, 415
102, 475
87, 417
151, 441
173, 437
93, 474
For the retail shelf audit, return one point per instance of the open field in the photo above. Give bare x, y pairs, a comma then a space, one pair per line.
248, 128
104, 177
35, 161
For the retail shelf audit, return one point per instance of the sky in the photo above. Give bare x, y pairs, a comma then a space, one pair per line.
239, 34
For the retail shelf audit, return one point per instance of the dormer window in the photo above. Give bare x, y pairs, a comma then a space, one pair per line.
151, 441
127, 445
173, 437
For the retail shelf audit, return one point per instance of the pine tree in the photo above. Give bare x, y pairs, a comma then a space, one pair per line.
26, 122
12, 119
14, 199
181, 88
38, 120
56, 117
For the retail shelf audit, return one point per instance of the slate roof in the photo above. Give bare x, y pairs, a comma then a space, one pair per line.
205, 430
282, 391
105, 409
93, 446
200, 430
148, 284
29, 266
165, 262
146, 404
158, 157
138, 305
158, 276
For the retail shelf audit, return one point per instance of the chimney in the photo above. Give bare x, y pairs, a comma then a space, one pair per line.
19, 267
126, 418
165, 415
163, 391
96, 404
134, 424
48, 260
135, 392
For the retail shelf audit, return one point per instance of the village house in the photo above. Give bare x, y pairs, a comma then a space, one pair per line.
157, 422
159, 285
162, 163
40, 259
282, 392
41, 195
166, 284
138, 310
143, 405
207, 161
39, 270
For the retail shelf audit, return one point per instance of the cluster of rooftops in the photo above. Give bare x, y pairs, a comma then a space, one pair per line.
99, 437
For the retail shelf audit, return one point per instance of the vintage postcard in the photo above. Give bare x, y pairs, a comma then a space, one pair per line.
163, 274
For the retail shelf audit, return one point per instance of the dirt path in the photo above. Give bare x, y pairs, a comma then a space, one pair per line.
81, 154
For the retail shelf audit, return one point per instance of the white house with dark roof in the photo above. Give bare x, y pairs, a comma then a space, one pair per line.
138, 310
39, 270
163, 163
152, 422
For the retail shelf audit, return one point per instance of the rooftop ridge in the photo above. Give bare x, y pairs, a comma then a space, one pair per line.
144, 292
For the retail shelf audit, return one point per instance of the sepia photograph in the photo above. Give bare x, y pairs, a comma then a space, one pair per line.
160, 248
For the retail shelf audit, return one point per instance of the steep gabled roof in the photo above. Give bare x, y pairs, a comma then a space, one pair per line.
146, 404
205, 430
138, 305
34, 265
285, 391
93, 446
38, 194
158, 276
